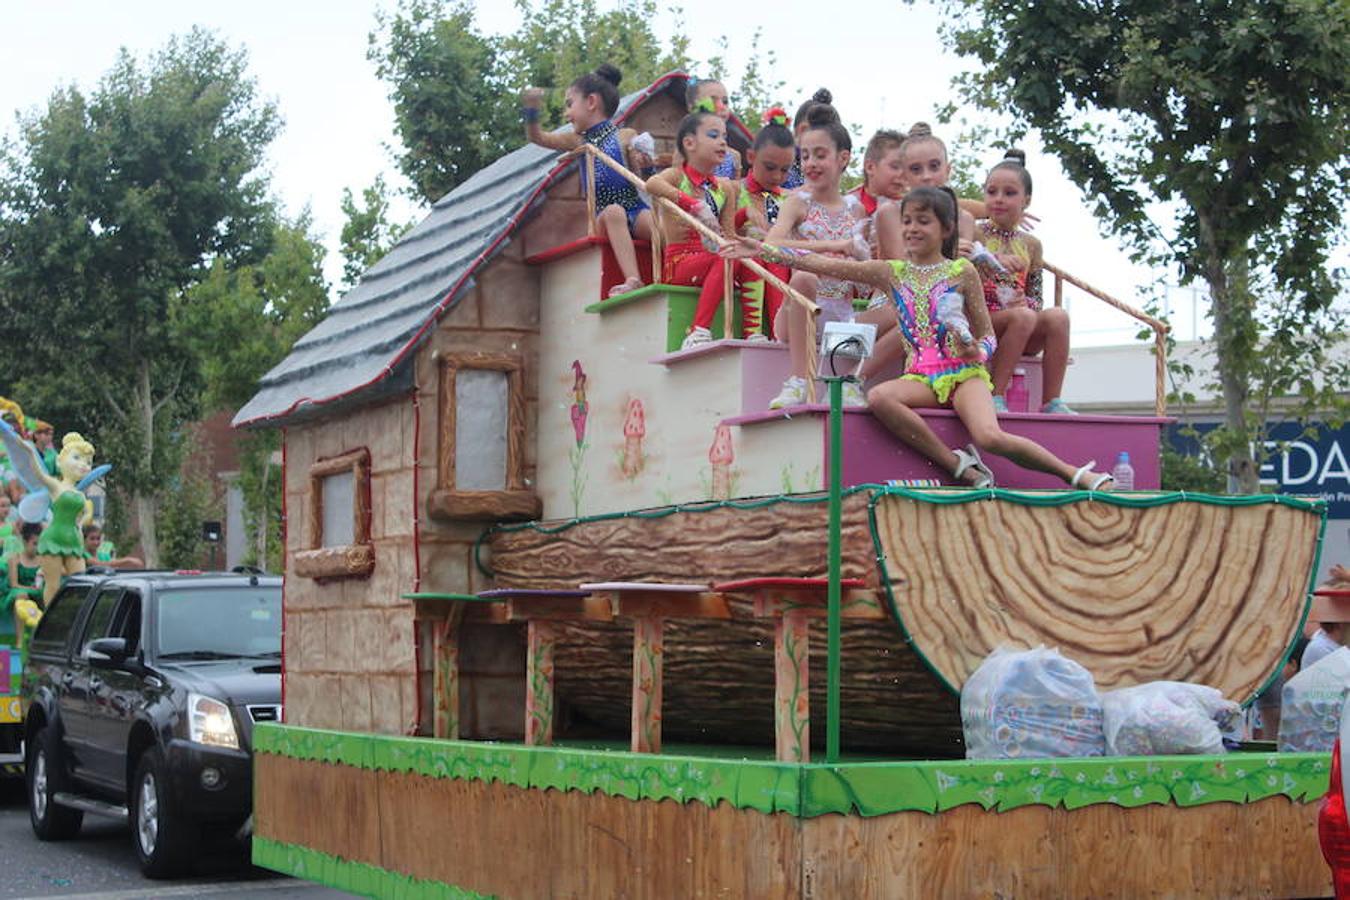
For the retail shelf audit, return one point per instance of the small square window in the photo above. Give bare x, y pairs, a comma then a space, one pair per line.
339, 519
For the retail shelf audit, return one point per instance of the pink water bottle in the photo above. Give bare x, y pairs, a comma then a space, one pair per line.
1017, 397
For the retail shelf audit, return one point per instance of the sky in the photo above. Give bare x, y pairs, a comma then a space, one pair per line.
310, 58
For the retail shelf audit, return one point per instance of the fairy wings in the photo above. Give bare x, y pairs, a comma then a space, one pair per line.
33, 475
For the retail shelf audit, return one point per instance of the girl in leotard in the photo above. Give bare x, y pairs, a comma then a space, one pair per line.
759, 200
690, 258
590, 103
941, 370
821, 219
820, 103
22, 577
1023, 324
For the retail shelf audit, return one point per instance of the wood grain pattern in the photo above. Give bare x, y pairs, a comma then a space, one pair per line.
721, 544
570, 844
1263, 849
719, 685
351, 561
1185, 592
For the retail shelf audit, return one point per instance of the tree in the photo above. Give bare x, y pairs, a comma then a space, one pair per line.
1234, 113
244, 321
112, 207
456, 91
367, 235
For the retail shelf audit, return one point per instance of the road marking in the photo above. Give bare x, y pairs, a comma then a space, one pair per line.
191, 890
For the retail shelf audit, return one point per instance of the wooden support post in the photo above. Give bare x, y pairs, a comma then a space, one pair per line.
445, 692
658, 247
648, 651
540, 639
791, 697
592, 227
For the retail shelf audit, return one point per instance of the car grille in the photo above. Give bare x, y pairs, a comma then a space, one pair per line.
265, 713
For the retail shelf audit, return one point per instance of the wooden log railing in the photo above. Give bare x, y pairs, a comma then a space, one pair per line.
1160, 328
646, 607
664, 206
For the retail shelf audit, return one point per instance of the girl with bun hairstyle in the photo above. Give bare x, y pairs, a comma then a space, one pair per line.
762, 196
821, 219
821, 103
943, 367
1014, 298
589, 105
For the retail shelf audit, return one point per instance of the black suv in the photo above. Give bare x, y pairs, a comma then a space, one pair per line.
140, 694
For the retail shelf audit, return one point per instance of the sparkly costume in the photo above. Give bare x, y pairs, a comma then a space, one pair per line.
611, 188
934, 357
688, 262
794, 177
759, 299
1008, 243
818, 223
727, 168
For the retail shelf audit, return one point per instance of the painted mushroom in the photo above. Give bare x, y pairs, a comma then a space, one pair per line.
634, 430
721, 455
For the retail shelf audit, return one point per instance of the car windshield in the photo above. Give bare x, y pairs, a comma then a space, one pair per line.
219, 623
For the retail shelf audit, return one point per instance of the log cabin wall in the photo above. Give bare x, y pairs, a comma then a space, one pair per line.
349, 640
498, 317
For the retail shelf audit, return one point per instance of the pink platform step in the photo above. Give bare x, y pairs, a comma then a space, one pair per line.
872, 455
763, 367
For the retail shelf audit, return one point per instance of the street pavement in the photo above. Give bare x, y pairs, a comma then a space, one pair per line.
100, 864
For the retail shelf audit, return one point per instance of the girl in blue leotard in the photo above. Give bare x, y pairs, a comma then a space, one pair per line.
590, 103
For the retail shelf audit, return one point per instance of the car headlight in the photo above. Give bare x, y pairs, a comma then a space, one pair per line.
210, 722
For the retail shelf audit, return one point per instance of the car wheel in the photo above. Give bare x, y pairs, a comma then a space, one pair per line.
45, 773
165, 839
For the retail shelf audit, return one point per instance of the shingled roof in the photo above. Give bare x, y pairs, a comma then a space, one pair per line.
364, 347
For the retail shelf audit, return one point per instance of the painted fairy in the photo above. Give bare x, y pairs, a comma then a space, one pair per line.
60, 546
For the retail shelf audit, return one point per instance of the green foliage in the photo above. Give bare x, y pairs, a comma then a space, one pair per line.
113, 205
260, 481
757, 89
1235, 113
453, 112
367, 235
1190, 472
180, 521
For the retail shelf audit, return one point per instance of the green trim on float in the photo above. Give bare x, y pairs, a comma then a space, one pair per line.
809, 790
354, 877
647, 290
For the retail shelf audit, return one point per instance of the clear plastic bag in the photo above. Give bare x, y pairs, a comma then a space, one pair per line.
1310, 706
1031, 703
1166, 717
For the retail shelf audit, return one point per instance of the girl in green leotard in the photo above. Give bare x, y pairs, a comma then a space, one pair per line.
61, 546
23, 578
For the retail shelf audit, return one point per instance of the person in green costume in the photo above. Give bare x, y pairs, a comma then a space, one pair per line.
61, 546
23, 579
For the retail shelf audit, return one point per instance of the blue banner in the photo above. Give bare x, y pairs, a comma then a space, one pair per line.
1313, 465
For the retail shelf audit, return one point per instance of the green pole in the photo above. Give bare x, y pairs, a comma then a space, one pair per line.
836, 516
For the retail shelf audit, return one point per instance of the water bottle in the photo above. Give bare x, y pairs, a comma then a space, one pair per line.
1016, 395
1123, 473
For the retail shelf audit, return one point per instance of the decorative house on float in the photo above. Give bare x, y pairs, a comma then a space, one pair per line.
517, 512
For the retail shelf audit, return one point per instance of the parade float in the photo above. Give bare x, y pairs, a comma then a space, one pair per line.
570, 612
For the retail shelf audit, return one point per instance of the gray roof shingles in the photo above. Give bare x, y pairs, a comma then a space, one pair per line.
375, 326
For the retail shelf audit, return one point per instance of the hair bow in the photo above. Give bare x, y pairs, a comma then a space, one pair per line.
704, 104
775, 115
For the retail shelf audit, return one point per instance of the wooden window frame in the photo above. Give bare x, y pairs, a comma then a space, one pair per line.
354, 560
517, 501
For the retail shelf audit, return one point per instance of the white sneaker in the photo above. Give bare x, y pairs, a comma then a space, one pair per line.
853, 395
757, 337
792, 394
696, 338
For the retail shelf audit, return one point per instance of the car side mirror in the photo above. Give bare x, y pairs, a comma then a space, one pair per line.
107, 653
